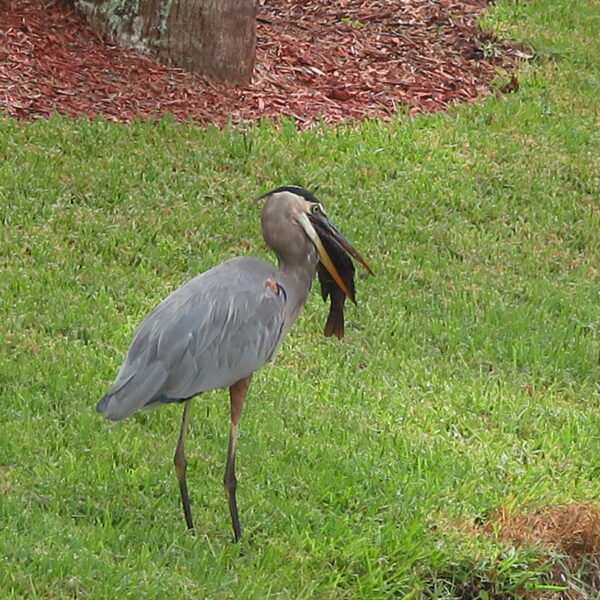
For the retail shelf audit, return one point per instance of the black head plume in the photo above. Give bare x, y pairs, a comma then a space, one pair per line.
293, 189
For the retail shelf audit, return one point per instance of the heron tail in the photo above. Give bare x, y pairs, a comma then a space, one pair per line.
131, 392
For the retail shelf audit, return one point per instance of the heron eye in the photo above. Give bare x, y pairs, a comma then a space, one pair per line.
315, 208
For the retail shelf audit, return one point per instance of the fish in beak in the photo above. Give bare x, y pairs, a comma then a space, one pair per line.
335, 270
330, 289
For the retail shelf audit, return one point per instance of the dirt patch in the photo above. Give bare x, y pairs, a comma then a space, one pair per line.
561, 558
571, 535
316, 59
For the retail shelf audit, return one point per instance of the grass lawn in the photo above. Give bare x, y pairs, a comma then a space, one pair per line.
468, 382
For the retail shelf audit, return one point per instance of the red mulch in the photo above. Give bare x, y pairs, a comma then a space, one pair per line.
334, 59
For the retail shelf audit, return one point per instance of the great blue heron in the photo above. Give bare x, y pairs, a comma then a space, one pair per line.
224, 324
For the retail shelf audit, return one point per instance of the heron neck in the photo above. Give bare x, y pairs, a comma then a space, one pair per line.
297, 280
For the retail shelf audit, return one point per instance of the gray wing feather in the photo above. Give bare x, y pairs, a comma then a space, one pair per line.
214, 330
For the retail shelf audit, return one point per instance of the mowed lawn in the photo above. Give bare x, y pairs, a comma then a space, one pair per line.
468, 384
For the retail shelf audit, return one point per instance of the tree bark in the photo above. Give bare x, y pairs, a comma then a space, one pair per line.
214, 37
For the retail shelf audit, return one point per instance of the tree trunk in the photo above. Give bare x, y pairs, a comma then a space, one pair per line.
214, 37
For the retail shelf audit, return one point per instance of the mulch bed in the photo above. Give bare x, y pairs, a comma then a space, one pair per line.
316, 59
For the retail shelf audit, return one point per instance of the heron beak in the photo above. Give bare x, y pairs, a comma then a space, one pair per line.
325, 235
327, 229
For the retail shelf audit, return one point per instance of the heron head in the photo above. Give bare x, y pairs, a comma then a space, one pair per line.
292, 217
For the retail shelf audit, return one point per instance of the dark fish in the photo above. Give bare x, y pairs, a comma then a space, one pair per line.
330, 289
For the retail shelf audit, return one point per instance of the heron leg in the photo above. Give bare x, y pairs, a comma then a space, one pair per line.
181, 465
237, 394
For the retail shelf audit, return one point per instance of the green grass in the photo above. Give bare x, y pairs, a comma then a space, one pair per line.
469, 379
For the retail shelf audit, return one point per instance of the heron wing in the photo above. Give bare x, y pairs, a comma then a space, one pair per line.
214, 330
